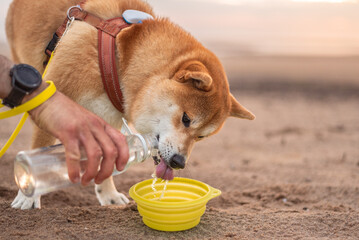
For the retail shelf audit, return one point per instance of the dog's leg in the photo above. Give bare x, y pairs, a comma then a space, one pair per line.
107, 194
40, 139
23, 202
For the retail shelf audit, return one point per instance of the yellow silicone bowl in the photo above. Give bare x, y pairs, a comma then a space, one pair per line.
181, 206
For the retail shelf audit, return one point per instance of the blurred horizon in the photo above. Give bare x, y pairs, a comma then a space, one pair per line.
265, 42
279, 27
260, 27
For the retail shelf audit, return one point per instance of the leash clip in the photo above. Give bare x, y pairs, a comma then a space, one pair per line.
69, 12
68, 25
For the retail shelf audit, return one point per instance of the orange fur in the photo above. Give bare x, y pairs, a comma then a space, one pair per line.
163, 72
157, 60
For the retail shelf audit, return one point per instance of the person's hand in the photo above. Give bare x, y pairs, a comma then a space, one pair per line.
76, 127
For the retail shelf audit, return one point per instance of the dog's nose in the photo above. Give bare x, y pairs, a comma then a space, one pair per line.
177, 161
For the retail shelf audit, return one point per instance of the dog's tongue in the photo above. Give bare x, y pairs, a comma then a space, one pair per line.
163, 171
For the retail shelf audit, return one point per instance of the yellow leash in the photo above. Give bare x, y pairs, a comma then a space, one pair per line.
24, 108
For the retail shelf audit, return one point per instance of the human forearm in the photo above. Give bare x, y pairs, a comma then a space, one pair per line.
5, 80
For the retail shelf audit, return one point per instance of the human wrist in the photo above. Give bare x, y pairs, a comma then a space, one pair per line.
5, 79
36, 92
34, 113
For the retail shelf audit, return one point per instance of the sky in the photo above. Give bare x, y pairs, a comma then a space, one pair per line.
288, 27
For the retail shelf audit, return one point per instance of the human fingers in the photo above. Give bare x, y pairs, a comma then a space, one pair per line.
110, 153
94, 155
120, 141
73, 155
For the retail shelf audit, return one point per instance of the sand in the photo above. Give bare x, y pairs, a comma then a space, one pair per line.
293, 173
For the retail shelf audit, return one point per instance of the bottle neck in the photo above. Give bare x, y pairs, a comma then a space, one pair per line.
149, 144
152, 145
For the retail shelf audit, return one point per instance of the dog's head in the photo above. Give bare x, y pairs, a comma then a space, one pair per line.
184, 109
184, 99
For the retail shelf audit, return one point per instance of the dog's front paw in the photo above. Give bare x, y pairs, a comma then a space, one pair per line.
110, 197
23, 202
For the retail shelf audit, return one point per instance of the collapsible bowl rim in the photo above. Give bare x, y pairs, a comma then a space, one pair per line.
211, 193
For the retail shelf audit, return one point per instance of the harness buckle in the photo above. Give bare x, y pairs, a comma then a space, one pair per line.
52, 45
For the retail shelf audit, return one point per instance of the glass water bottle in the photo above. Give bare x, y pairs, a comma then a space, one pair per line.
44, 170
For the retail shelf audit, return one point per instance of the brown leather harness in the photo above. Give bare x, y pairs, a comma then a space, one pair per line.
107, 32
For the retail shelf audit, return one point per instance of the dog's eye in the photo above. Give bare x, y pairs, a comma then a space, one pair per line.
186, 120
200, 136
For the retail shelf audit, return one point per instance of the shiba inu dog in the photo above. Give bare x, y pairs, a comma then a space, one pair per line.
172, 85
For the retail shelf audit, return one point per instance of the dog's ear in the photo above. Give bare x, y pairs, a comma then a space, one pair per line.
237, 110
195, 73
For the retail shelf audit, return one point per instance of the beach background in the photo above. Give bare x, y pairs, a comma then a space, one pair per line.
293, 173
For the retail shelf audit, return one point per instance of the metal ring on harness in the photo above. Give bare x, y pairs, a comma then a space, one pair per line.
69, 11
